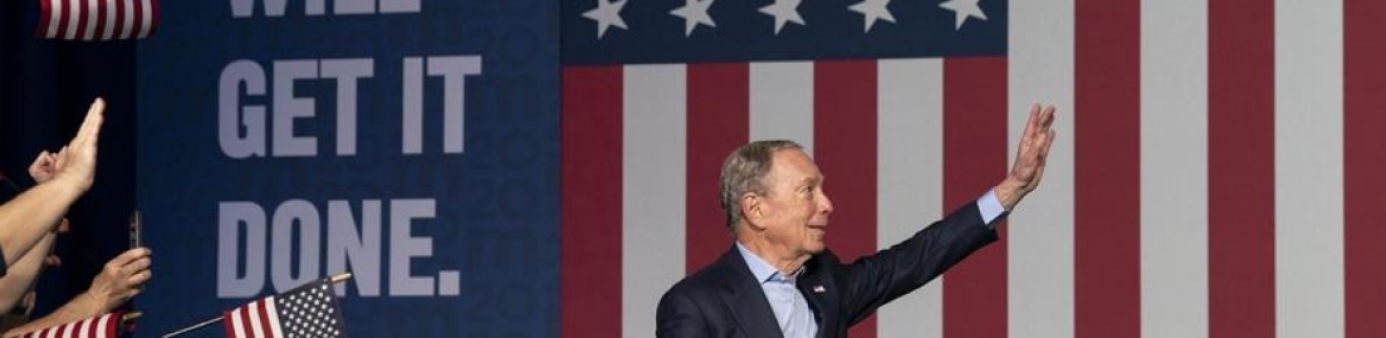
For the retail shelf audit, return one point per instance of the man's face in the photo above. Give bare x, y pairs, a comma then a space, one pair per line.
796, 208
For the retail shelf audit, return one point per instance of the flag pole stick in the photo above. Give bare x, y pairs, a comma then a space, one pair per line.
341, 277
194, 327
335, 279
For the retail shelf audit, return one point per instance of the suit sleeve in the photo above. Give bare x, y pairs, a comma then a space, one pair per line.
875, 280
679, 317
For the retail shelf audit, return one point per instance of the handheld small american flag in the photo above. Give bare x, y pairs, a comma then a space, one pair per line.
89, 20
309, 311
103, 326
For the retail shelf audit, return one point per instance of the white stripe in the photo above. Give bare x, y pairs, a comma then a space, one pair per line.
54, 17
909, 182
146, 18
782, 102
72, 330
1309, 279
83, 328
74, 14
1174, 162
654, 148
254, 311
273, 311
92, 14
101, 327
109, 27
236, 325
1040, 286
128, 23
50, 333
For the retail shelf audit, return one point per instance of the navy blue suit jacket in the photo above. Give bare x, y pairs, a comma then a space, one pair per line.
724, 299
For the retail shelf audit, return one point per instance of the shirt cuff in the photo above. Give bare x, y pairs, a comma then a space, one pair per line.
991, 209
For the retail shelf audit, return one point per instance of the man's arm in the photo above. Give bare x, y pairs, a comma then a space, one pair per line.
120, 280
20, 279
904, 267
880, 278
34, 213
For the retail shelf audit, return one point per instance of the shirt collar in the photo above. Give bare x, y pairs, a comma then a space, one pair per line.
762, 270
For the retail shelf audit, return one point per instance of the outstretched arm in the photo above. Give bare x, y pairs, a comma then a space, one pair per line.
20, 278
1030, 158
120, 280
33, 214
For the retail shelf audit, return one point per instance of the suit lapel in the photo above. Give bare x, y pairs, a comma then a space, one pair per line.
822, 295
745, 299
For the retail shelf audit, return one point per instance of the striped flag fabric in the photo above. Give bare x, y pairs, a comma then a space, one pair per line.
103, 326
308, 311
93, 20
1217, 171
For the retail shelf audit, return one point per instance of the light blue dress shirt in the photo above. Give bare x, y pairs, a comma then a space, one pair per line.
791, 309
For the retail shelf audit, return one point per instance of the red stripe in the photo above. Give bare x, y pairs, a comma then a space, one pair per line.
112, 324
263, 312
246, 323
718, 122
226, 322
138, 17
64, 18
119, 19
974, 160
153, 17
844, 146
1241, 168
1107, 169
64, 330
591, 202
45, 12
1364, 162
92, 329
100, 19
81, 18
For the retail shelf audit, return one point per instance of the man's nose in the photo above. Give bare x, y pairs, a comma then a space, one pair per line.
825, 205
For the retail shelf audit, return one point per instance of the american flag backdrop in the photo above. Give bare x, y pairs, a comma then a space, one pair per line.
1220, 167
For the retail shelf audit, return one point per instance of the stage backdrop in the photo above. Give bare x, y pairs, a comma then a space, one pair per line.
412, 142
1217, 171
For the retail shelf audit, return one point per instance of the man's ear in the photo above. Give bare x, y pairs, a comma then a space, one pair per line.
752, 209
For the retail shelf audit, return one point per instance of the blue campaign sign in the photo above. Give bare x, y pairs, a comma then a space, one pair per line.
412, 142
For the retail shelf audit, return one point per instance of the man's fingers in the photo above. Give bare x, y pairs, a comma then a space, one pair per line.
1032, 122
1048, 117
1048, 143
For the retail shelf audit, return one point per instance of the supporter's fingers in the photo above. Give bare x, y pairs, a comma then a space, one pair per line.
128, 256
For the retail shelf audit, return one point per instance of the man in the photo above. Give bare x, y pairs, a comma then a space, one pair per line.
779, 280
